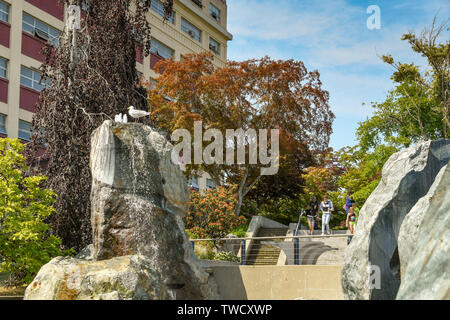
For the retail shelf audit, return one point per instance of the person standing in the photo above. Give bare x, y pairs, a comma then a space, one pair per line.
326, 206
310, 216
349, 202
314, 204
351, 219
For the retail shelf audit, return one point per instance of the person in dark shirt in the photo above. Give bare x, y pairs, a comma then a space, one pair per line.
314, 204
311, 216
349, 202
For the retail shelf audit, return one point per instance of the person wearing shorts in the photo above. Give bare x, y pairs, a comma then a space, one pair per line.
310, 217
351, 219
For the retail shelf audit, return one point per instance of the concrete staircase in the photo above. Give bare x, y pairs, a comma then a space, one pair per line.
261, 253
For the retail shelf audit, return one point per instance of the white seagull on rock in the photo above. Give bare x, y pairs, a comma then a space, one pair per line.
137, 113
119, 118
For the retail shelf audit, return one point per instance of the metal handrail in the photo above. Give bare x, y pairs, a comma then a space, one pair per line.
294, 238
274, 237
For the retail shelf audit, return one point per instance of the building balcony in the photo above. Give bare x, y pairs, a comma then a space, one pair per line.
31, 46
28, 98
4, 33
4, 90
52, 7
154, 59
139, 56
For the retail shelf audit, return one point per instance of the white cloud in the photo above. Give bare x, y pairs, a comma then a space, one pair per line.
332, 36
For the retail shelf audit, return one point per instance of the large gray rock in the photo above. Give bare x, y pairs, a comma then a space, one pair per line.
409, 230
122, 278
427, 274
406, 177
87, 253
134, 159
138, 198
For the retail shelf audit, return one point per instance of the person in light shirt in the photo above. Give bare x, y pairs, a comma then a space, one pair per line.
326, 206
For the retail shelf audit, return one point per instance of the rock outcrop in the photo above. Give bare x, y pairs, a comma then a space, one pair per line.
121, 278
409, 230
374, 253
139, 197
427, 274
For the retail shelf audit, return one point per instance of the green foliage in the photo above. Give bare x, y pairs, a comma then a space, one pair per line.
407, 115
417, 107
284, 210
211, 213
351, 169
363, 170
26, 242
226, 256
241, 231
205, 255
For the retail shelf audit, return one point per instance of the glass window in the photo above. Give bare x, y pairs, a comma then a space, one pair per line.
198, 2
30, 78
40, 29
191, 30
2, 123
161, 49
214, 12
214, 46
3, 68
158, 7
4, 11
24, 130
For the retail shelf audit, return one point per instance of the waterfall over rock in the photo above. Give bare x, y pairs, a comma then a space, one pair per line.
138, 200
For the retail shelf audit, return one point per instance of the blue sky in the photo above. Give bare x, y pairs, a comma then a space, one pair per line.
332, 37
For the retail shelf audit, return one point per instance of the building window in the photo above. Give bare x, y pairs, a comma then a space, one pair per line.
191, 30
161, 49
158, 7
214, 46
214, 12
30, 78
24, 130
40, 29
3, 68
2, 123
198, 2
4, 12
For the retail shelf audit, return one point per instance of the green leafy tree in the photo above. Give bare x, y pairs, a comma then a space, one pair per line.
418, 107
26, 242
284, 209
362, 170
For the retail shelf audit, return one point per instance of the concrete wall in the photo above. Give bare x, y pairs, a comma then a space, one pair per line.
279, 282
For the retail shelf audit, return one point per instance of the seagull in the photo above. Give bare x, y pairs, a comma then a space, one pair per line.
137, 113
118, 117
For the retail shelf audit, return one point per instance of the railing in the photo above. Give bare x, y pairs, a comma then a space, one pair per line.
280, 250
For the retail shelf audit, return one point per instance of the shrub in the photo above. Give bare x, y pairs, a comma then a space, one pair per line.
226, 256
26, 242
211, 214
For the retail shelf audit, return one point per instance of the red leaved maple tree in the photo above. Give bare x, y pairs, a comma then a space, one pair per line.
253, 94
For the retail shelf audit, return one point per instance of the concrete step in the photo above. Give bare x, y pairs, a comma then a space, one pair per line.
263, 254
